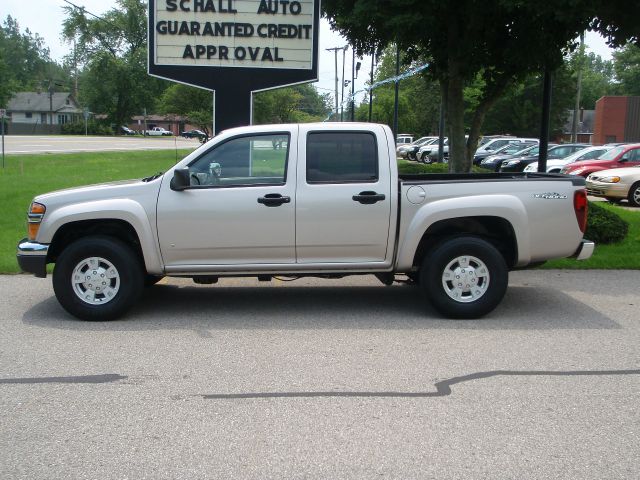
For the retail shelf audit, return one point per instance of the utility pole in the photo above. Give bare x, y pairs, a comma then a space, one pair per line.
344, 49
574, 129
546, 113
51, 107
335, 51
373, 55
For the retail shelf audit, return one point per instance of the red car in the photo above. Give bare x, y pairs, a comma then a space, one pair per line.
622, 156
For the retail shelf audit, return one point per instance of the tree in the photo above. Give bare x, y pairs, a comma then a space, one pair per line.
597, 78
626, 65
25, 63
113, 51
418, 102
500, 41
300, 103
194, 103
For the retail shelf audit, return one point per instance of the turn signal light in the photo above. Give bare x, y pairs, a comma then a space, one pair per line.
580, 205
36, 212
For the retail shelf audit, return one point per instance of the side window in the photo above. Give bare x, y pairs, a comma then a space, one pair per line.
342, 157
251, 160
592, 154
635, 155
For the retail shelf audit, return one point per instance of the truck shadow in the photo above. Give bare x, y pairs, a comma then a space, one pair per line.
204, 309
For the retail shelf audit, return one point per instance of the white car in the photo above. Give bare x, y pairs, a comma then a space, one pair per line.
616, 184
554, 166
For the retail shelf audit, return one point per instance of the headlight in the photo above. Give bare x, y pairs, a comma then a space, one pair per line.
532, 167
609, 179
36, 212
510, 162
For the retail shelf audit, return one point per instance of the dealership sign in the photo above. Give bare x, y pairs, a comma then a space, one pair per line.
234, 47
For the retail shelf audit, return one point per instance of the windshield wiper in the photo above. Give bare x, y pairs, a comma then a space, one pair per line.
152, 177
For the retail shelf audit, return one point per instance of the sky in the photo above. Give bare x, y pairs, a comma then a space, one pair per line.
45, 17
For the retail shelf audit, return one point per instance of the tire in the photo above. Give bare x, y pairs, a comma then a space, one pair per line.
488, 273
113, 282
634, 195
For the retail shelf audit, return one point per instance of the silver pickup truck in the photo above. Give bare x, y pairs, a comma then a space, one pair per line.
303, 200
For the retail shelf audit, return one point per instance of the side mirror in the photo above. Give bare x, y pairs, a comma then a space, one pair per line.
180, 180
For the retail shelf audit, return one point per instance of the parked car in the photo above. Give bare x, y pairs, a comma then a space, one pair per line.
344, 211
126, 130
194, 134
555, 165
157, 132
494, 144
411, 150
493, 162
557, 151
618, 157
404, 138
616, 184
429, 153
507, 150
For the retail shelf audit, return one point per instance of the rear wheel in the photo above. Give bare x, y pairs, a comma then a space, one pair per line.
464, 277
634, 194
97, 278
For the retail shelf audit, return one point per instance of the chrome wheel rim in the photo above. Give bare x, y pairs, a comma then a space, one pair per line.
95, 281
465, 279
636, 195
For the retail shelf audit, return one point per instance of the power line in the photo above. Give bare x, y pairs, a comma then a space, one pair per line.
84, 10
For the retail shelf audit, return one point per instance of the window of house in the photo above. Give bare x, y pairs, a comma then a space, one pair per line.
43, 118
28, 114
342, 157
62, 119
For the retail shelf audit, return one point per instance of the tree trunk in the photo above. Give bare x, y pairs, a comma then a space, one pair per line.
455, 114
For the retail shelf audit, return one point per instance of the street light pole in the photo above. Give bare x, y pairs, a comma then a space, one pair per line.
371, 85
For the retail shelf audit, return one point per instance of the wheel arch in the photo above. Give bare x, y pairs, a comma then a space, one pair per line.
496, 230
111, 227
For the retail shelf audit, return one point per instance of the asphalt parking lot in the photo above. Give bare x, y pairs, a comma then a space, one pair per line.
324, 379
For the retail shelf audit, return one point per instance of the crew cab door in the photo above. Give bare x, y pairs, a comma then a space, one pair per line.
343, 200
239, 208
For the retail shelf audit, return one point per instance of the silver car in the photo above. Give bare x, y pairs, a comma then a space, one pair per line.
616, 184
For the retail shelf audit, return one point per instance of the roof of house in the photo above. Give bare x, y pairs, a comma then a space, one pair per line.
40, 102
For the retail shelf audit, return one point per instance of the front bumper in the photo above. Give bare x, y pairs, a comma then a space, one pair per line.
585, 250
32, 257
602, 189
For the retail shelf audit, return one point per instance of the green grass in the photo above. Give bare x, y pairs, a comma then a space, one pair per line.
622, 255
26, 176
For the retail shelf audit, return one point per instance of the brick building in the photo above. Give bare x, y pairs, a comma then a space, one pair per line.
617, 119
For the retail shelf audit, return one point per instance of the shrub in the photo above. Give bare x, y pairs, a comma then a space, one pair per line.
605, 226
93, 128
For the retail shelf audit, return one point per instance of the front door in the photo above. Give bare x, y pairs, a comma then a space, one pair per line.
239, 209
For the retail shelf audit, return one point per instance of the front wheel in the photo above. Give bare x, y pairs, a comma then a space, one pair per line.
464, 277
97, 278
634, 194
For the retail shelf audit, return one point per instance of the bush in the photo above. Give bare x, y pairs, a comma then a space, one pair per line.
93, 128
605, 226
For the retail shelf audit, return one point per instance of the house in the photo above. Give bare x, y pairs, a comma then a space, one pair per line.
42, 112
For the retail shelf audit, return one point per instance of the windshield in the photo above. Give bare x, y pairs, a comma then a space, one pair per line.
611, 154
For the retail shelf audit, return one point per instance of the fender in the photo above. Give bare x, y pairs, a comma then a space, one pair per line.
507, 207
124, 209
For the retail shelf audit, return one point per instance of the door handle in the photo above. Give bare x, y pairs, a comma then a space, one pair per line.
368, 197
273, 200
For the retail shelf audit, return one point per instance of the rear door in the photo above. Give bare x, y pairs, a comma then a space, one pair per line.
343, 198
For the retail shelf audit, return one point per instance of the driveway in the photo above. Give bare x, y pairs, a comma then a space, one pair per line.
320, 379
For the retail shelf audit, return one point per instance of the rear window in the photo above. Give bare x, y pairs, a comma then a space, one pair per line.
342, 157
